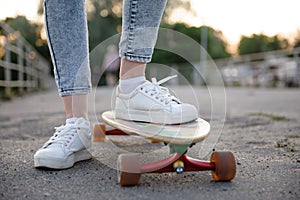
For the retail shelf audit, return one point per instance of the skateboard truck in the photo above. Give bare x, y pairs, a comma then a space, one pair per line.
178, 166
222, 164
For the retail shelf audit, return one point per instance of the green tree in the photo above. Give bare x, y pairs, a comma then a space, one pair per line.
31, 32
216, 48
104, 20
297, 40
297, 43
216, 45
261, 43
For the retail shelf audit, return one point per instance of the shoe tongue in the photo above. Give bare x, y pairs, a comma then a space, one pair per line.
57, 143
150, 84
71, 120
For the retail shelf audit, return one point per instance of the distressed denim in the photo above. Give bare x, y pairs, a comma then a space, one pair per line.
67, 35
141, 19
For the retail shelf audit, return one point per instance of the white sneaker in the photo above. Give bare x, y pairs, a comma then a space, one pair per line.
69, 144
153, 103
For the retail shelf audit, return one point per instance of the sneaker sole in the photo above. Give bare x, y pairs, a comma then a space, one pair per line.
62, 164
158, 117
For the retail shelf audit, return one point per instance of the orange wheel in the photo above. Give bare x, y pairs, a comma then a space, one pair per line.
99, 132
129, 169
225, 166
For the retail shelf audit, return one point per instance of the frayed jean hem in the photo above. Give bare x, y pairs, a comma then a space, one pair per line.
135, 58
73, 91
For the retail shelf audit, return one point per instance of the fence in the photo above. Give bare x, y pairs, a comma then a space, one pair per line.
275, 68
268, 69
22, 68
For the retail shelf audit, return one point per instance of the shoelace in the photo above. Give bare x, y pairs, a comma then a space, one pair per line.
161, 93
63, 135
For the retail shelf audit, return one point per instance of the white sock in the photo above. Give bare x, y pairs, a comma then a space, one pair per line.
71, 120
128, 85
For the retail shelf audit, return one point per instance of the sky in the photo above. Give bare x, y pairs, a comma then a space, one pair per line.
245, 17
233, 17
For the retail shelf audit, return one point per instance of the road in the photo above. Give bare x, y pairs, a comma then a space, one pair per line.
262, 129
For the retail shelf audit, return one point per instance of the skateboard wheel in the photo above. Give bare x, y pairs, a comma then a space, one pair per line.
99, 132
225, 166
129, 169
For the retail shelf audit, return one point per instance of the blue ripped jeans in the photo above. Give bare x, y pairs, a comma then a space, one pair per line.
67, 35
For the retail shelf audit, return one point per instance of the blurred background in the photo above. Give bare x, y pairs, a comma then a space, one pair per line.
253, 43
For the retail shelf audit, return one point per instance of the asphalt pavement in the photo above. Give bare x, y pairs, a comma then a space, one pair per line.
261, 128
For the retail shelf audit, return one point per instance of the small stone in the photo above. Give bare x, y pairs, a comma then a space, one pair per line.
46, 194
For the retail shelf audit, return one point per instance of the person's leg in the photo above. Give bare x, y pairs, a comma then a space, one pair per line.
140, 23
68, 43
140, 20
67, 38
76, 106
131, 75
138, 99
131, 69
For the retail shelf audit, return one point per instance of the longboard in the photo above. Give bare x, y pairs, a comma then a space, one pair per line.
179, 137
183, 134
